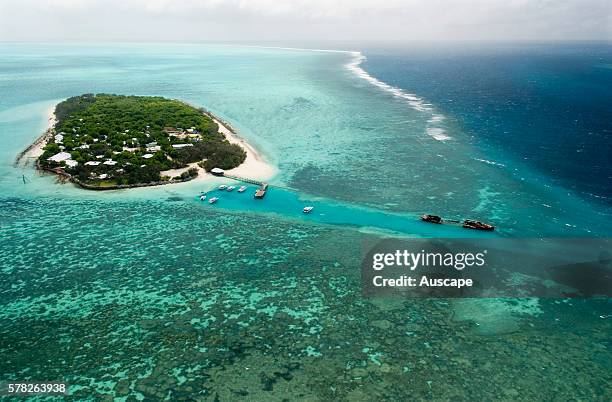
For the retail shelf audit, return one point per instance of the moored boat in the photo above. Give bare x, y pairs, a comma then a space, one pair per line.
261, 191
213, 200
307, 210
431, 218
231, 188
470, 224
222, 187
242, 189
202, 197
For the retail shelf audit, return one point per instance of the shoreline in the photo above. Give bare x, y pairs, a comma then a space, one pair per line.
35, 149
254, 165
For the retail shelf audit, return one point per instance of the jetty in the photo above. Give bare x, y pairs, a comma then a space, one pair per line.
244, 179
261, 191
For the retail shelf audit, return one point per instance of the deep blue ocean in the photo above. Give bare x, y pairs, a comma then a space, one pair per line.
543, 106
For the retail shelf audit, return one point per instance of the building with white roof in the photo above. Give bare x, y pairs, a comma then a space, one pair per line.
71, 163
92, 163
62, 156
110, 162
147, 156
179, 146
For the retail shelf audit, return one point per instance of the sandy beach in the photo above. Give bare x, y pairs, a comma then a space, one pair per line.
254, 166
36, 148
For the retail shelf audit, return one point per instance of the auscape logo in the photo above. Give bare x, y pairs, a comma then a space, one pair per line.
424, 281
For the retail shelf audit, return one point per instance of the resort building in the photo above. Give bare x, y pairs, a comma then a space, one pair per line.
173, 132
62, 156
217, 171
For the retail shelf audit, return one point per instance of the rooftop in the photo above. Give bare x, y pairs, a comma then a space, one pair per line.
62, 156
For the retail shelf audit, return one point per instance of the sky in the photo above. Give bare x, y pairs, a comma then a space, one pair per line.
304, 20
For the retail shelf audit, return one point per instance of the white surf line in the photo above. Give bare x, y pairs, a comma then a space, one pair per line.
433, 128
302, 49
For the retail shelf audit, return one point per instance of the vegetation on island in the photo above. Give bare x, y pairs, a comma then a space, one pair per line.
109, 140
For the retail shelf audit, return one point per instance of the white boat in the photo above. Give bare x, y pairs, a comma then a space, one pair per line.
242, 188
222, 187
307, 210
231, 188
213, 200
202, 197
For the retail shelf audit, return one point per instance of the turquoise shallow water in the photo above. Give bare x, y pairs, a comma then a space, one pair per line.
153, 294
288, 204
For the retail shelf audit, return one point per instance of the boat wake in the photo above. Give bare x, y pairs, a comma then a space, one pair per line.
433, 123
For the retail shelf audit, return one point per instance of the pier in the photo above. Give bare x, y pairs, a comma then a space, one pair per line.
261, 191
244, 179
263, 186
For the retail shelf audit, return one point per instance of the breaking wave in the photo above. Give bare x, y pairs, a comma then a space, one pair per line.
417, 103
433, 128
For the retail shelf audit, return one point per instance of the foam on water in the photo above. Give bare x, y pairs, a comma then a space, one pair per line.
488, 162
437, 133
433, 130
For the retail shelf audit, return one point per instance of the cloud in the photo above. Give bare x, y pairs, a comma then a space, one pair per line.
253, 20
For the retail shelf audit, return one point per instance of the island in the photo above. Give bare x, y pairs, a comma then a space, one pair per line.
103, 141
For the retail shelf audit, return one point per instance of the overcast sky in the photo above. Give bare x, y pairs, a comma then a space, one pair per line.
288, 20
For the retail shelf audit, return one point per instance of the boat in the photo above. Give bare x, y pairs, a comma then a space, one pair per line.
202, 197
261, 191
470, 224
222, 187
307, 210
242, 188
213, 200
431, 218
231, 188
